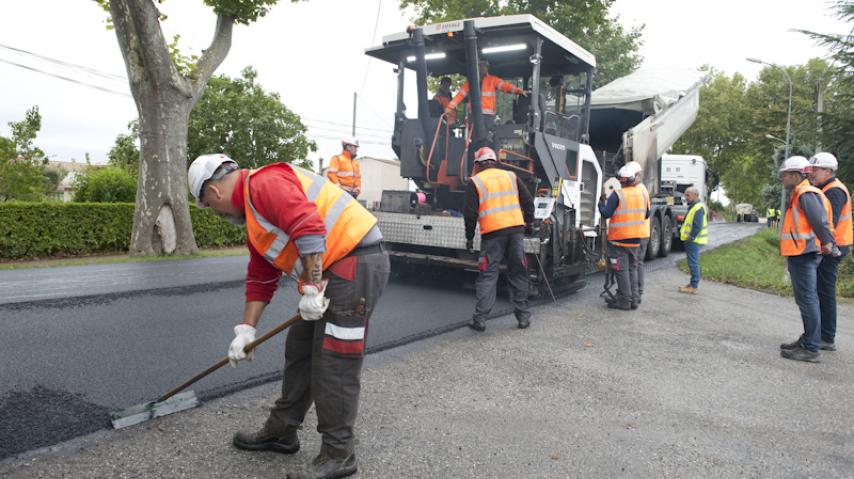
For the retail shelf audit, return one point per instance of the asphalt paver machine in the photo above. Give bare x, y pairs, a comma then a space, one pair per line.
543, 138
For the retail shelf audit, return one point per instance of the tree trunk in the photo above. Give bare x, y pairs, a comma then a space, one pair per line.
164, 99
161, 217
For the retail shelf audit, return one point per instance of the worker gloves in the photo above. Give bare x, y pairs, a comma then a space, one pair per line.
313, 303
243, 335
470, 246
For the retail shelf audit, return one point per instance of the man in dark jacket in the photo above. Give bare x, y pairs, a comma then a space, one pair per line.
501, 205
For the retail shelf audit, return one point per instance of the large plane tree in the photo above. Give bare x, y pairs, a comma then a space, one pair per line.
165, 93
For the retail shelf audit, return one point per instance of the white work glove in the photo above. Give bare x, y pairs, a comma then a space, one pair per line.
313, 303
243, 335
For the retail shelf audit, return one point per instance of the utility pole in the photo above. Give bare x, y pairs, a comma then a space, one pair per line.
354, 115
820, 111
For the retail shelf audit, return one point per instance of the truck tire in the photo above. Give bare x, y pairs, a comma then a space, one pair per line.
666, 236
654, 239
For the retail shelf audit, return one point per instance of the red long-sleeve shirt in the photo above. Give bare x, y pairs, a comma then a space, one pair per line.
278, 196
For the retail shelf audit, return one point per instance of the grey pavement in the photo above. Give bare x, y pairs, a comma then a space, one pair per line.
686, 386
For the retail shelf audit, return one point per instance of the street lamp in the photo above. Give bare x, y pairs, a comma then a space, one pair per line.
788, 122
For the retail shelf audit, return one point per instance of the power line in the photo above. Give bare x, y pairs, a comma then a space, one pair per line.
344, 124
343, 132
110, 76
61, 77
373, 39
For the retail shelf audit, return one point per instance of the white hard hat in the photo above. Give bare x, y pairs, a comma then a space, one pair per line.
626, 172
633, 168
350, 141
824, 160
484, 154
202, 169
795, 163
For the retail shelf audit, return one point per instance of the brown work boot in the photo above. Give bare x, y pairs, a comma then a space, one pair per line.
325, 467
262, 440
687, 289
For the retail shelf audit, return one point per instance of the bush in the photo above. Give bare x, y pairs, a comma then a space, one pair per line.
31, 230
105, 185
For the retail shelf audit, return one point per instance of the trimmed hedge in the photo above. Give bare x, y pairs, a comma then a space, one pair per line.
32, 230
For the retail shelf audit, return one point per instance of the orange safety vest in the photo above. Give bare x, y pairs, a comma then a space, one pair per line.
345, 171
346, 222
842, 230
629, 220
647, 221
499, 200
489, 86
796, 233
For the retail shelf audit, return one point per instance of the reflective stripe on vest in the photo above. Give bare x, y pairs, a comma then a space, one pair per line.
648, 223
345, 220
629, 219
499, 200
843, 231
796, 234
688, 225
489, 86
347, 171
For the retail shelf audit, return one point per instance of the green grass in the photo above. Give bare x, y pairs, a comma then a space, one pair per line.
755, 262
117, 258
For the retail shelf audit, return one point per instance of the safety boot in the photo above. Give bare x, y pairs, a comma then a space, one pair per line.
477, 324
622, 304
825, 346
262, 440
326, 467
801, 354
790, 346
687, 289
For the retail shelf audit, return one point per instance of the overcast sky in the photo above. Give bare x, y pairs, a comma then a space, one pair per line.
312, 54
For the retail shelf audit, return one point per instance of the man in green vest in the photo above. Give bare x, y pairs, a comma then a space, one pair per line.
694, 234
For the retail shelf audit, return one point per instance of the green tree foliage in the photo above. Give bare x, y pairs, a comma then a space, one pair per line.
105, 185
586, 22
735, 118
837, 122
124, 154
238, 118
21, 176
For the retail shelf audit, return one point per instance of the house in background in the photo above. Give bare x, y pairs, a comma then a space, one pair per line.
69, 170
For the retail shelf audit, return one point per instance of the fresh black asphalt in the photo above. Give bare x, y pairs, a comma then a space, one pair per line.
79, 342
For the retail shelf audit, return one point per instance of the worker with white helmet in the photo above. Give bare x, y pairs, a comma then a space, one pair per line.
805, 235
299, 223
635, 167
500, 203
344, 169
626, 210
823, 176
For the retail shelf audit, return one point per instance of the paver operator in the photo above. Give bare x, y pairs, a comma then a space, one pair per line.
344, 169
300, 222
502, 206
489, 87
627, 211
806, 235
823, 176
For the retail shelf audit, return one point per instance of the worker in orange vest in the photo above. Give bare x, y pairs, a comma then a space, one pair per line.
443, 98
823, 176
344, 169
805, 235
498, 202
626, 210
300, 223
489, 87
635, 167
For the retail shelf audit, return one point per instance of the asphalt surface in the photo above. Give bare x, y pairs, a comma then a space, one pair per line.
686, 386
79, 342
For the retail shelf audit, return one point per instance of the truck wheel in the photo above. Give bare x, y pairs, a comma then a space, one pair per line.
654, 239
666, 236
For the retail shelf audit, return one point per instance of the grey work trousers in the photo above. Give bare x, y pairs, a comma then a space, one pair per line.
641, 257
624, 261
492, 251
323, 358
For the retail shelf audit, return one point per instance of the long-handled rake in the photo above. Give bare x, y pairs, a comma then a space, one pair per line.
172, 401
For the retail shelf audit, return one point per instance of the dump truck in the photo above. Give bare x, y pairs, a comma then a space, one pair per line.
543, 142
639, 117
